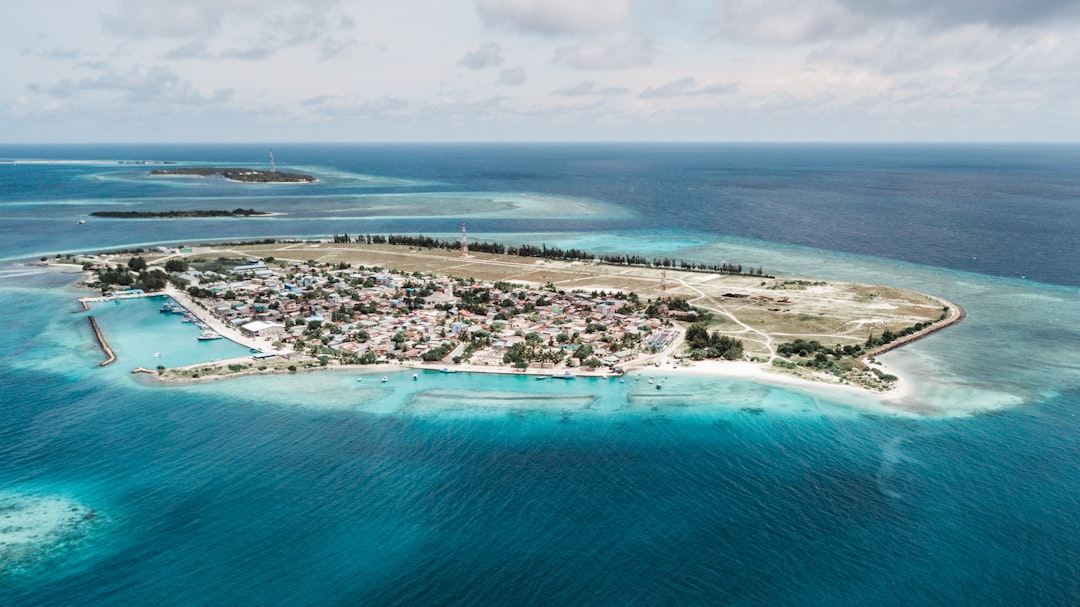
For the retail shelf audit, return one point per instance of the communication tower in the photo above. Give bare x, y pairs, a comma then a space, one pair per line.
464, 241
663, 293
272, 169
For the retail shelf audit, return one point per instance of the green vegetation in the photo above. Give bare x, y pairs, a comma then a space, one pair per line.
176, 265
704, 345
133, 276
237, 174
546, 252
177, 214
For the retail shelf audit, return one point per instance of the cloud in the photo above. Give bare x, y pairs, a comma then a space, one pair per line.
612, 53
62, 54
267, 25
687, 87
555, 17
482, 57
139, 85
796, 22
512, 77
783, 22
201, 50
591, 88
142, 19
337, 106
996, 13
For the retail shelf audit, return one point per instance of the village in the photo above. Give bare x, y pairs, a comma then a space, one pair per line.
339, 314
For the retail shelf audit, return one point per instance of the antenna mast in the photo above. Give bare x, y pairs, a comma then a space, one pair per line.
272, 169
464, 241
663, 293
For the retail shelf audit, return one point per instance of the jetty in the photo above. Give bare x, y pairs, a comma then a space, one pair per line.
110, 358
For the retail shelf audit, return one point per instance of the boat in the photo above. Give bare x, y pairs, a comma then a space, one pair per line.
166, 308
658, 386
82, 221
208, 335
566, 375
448, 370
385, 379
415, 377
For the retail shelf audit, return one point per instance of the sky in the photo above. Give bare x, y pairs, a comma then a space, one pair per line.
539, 70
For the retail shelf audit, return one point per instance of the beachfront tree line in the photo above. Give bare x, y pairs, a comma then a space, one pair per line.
545, 251
135, 276
822, 356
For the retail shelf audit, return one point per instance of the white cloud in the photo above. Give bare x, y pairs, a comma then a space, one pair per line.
485, 56
612, 53
688, 87
512, 77
139, 85
142, 19
346, 107
556, 17
239, 68
795, 22
198, 49
782, 22
250, 29
591, 88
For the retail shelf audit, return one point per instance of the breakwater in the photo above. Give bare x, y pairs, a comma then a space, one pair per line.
109, 356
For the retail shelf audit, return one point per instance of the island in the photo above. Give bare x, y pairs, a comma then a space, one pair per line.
306, 305
180, 214
237, 174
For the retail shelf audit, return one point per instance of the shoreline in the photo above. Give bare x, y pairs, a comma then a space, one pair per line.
668, 361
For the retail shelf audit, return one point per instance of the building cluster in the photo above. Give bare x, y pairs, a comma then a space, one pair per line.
371, 315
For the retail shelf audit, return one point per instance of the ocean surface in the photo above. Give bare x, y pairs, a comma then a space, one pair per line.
337, 489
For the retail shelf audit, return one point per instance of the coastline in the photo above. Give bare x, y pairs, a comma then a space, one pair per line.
667, 361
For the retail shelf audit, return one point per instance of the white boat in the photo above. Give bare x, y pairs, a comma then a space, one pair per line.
385, 379
208, 335
415, 377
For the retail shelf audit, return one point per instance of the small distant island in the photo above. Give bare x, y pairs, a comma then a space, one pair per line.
179, 214
238, 174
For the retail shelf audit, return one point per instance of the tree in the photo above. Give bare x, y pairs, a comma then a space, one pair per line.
712, 345
136, 264
176, 265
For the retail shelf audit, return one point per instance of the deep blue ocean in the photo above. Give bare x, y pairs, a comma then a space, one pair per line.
325, 489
